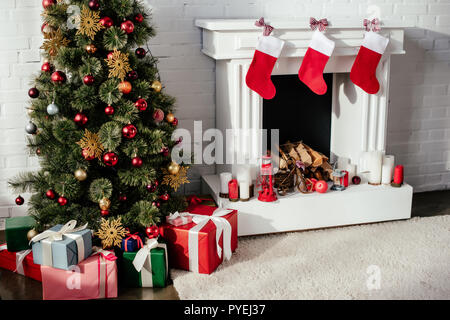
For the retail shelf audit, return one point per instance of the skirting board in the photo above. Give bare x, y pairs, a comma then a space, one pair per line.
356, 205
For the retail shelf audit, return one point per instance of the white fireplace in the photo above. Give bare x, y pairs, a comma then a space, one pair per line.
359, 123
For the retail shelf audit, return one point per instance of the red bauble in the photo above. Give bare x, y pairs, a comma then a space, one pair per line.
321, 186
58, 77
104, 213
94, 5
165, 151
45, 28
46, 67
129, 131
110, 55
164, 197
140, 52
356, 180
122, 198
38, 151
125, 87
136, 162
110, 159
127, 26
109, 110
107, 22
175, 122
80, 119
85, 155
156, 204
33, 93
20, 200
62, 201
152, 232
139, 18
50, 194
89, 80
151, 188
313, 184
132, 75
158, 115
156, 183
48, 3
141, 104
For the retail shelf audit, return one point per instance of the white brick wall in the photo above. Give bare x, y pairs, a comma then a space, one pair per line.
419, 123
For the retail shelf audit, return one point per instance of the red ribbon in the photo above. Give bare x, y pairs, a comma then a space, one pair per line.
193, 200
372, 25
133, 236
267, 28
322, 24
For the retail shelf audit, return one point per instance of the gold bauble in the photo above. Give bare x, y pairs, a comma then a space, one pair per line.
31, 234
156, 85
80, 175
91, 49
173, 168
104, 204
170, 117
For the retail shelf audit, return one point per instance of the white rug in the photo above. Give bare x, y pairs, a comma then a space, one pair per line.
397, 260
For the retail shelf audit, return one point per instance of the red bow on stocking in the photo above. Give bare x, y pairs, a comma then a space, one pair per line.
373, 25
322, 24
267, 28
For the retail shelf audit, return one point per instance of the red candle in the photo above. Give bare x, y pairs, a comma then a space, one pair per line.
344, 180
233, 191
398, 174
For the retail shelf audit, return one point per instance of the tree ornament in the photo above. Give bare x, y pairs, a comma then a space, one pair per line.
50, 194
165, 151
125, 87
122, 198
129, 131
48, 3
62, 201
109, 110
136, 162
106, 22
170, 117
175, 180
19, 200
31, 234
46, 67
52, 109
158, 115
38, 152
109, 55
356, 180
111, 232
141, 104
151, 188
321, 186
91, 143
175, 122
86, 156
118, 65
33, 93
156, 204
140, 53
31, 128
156, 86
94, 5
104, 213
58, 77
46, 28
53, 41
80, 174
104, 204
91, 48
88, 80
110, 159
164, 196
127, 26
89, 23
139, 18
152, 232
132, 75
80, 119
173, 168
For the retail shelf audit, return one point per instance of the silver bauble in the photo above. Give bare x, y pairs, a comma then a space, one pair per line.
52, 109
31, 128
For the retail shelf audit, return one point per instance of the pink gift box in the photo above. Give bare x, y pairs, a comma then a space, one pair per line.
179, 221
93, 278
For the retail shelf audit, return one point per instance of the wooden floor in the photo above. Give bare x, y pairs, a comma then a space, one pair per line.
14, 286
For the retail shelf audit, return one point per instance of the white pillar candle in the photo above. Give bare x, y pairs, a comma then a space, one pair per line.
225, 177
375, 163
388, 169
244, 189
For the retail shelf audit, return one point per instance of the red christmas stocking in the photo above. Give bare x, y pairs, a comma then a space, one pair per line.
365, 66
258, 76
316, 57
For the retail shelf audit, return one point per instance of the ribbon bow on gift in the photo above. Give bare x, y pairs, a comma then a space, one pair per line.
267, 28
322, 24
69, 227
133, 236
372, 25
106, 254
173, 216
142, 254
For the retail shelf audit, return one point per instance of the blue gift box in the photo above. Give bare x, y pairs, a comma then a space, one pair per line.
132, 244
63, 254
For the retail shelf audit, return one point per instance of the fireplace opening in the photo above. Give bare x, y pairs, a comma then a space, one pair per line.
299, 113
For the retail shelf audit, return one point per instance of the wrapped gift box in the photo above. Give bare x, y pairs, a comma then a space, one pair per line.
62, 254
194, 246
20, 262
16, 230
150, 269
132, 242
94, 278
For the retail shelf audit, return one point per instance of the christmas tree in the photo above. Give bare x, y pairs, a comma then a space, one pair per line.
100, 122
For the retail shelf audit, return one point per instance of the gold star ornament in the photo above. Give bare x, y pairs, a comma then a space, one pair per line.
91, 144
89, 23
175, 180
118, 65
111, 232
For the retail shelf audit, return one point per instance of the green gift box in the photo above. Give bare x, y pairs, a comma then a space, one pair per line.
147, 267
16, 233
